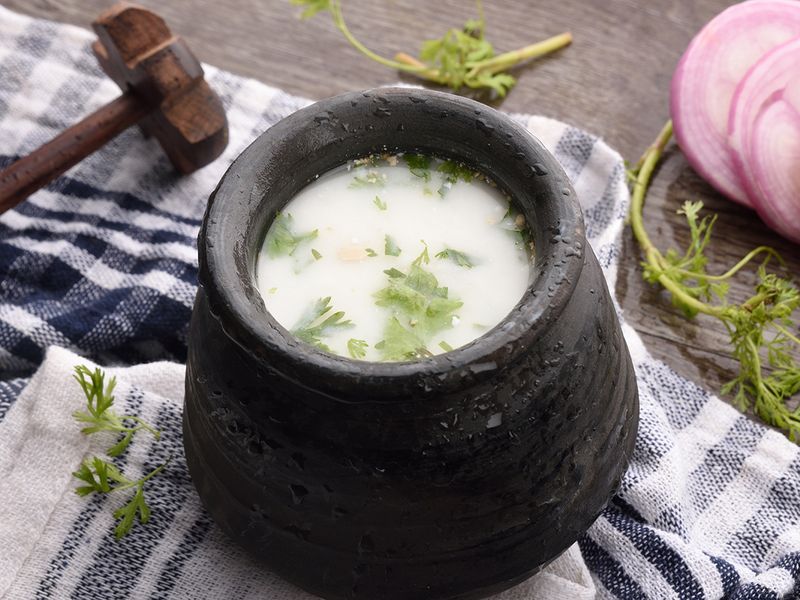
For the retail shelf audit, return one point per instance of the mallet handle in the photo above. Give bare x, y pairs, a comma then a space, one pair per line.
29, 173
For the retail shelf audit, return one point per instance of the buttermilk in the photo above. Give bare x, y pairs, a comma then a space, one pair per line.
395, 257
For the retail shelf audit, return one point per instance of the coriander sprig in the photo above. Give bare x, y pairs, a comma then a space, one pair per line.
760, 328
102, 477
462, 57
99, 475
318, 321
99, 415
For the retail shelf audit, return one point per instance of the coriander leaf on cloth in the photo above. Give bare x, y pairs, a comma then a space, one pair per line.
103, 263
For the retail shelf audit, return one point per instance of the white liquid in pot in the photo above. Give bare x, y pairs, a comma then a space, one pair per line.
421, 256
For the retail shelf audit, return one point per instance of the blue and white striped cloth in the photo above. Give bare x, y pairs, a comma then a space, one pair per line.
103, 263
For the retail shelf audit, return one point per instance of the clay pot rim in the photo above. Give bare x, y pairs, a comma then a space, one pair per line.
239, 211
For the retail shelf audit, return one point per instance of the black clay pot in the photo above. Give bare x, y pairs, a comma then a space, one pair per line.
450, 477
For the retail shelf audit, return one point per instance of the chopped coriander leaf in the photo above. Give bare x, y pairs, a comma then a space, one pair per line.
315, 253
318, 321
419, 165
394, 273
390, 247
370, 252
423, 257
370, 178
420, 306
461, 259
401, 343
445, 346
272, 290
379, 203
357, 348
455, 171
281, 240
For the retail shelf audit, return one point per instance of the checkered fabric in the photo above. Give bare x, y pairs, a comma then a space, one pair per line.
103, 263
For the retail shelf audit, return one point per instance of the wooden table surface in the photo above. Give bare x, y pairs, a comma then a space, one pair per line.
613, 81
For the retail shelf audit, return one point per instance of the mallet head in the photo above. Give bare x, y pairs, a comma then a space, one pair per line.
139, 52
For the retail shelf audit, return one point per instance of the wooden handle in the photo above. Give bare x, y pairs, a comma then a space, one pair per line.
29, 173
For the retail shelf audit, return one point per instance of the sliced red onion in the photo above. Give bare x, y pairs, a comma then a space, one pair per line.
707, 75
764, 130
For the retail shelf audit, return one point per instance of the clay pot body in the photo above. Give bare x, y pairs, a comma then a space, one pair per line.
450, 477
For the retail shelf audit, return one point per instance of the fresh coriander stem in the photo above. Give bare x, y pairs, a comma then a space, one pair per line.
143, 480
504, 61
493, 65
787, 333
481, 14
644, 172
338, 17
652, 255
736, 268
144, 425
425, 72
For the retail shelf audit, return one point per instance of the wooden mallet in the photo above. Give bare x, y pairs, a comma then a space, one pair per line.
164, 92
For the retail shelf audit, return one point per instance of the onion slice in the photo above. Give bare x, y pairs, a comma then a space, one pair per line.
707, 75
764, 130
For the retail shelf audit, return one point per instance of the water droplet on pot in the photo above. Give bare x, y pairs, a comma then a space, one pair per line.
494, 421
484, 126
538, 169
299, 493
